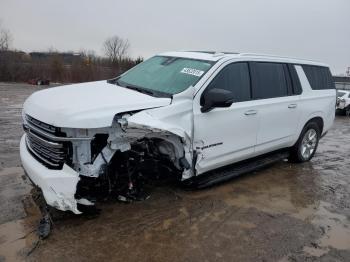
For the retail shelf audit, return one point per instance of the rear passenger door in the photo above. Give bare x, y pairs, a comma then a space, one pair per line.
277, 104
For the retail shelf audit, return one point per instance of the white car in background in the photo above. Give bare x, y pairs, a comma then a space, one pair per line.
185, 114
343, 101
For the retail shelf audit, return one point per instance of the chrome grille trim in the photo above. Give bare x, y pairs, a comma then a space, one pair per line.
48, 128
41, 140
28, 126
46, 151
48, 162
46, 147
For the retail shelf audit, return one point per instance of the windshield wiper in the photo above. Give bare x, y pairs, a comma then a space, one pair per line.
142, 90
136, 88
139, 89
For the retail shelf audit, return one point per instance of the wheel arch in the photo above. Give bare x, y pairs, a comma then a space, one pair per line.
318, 120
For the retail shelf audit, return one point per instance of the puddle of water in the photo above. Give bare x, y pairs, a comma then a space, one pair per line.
315, 252
290, 196
336, 233
12, 239
18, 237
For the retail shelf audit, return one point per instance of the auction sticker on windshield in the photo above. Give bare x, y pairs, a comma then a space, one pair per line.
191, 71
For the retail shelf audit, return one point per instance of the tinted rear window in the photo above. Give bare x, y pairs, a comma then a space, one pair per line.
320, 78
269, 80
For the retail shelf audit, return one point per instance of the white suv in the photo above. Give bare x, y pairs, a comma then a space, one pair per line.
185, 114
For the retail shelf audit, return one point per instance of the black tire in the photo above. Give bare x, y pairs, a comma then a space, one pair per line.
340, 112
347, 111
296, 154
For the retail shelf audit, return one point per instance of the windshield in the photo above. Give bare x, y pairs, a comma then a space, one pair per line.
163, 75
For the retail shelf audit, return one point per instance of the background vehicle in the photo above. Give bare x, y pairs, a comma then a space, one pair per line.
187, 114
39, 81
343, 101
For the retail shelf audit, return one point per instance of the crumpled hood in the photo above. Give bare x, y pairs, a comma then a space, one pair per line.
87, 105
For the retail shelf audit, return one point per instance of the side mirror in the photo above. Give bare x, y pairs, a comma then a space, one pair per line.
216, 97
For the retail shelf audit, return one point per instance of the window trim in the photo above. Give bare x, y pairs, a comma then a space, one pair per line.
288, 78
297, 87
253, 76
217, 74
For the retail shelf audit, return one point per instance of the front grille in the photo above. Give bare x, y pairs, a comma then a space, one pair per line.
42, 145
43, 126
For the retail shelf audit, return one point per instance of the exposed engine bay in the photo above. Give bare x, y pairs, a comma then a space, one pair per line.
117, 162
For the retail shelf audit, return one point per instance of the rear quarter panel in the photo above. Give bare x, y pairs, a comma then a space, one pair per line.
315, 103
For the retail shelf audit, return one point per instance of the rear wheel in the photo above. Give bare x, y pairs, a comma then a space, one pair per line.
307, 143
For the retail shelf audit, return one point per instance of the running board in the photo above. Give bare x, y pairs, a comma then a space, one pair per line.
228, 172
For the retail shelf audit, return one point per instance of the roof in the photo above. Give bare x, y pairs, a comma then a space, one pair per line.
216, 56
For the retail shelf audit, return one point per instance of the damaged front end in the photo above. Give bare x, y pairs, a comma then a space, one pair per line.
76, 168
118, 163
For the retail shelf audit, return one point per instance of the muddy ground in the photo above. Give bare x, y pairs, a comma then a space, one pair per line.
286, 212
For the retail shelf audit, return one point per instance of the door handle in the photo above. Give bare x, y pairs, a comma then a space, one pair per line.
250, 112
292, 106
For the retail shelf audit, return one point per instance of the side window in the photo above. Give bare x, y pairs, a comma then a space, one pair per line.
269, 80
235, 78
319, 77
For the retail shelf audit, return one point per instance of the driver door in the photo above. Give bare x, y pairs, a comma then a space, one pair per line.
226, 135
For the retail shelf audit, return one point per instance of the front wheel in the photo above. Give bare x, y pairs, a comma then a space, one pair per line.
306, 146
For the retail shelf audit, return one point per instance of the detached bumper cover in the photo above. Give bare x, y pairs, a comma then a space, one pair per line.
58, 186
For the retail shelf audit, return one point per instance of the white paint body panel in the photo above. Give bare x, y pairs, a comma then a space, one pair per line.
58, 186
276, 125
87, 105
235, 135
315, 103
224, 135
278, 121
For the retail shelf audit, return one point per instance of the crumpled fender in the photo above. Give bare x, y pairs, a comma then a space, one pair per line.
145, 120
177, 118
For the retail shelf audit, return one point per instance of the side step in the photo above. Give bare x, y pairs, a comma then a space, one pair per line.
228, 172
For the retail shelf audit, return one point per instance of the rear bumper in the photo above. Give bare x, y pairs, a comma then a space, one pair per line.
58, 186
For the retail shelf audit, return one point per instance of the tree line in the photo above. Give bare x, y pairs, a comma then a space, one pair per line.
64, 67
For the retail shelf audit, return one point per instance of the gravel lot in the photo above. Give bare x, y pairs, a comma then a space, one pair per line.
283, 213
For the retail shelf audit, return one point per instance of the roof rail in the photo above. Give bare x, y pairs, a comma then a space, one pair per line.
216, 54
213, 52
275, 56
200, 51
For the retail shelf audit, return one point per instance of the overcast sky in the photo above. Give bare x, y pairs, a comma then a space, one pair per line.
312, 29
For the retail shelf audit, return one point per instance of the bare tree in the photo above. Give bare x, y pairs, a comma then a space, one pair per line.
116, 48
5, 39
